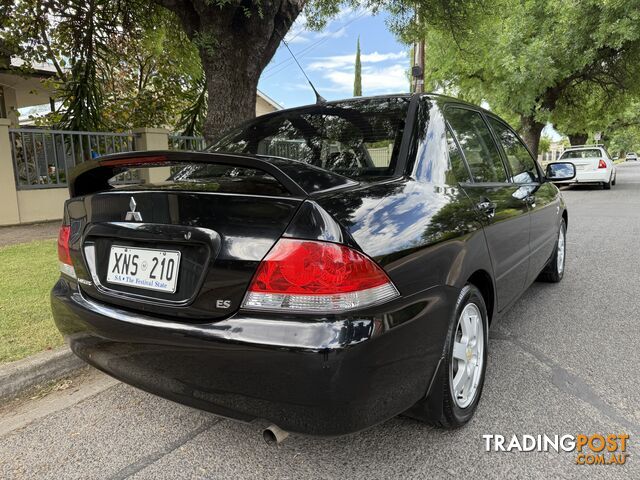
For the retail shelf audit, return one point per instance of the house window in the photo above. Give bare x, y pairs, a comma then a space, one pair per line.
3, 107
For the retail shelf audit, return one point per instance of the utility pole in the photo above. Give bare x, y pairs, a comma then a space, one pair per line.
417, 70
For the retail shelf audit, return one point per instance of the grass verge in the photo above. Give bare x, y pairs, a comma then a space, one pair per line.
27, 273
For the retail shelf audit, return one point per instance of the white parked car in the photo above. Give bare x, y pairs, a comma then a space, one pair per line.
593, 165
631, 156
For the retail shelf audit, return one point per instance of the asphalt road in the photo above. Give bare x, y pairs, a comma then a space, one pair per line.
564, 360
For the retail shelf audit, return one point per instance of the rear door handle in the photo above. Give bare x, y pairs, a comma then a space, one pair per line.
487, 207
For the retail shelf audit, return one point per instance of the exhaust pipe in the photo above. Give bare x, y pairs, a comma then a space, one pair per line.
274, 435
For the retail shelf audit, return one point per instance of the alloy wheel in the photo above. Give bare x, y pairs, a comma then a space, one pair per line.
468, 356
561, 249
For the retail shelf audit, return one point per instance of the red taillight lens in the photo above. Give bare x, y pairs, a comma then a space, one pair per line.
316, 276
66, 265
63, 244
298, 266
602, 164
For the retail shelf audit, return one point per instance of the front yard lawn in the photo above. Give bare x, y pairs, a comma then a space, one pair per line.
27, 273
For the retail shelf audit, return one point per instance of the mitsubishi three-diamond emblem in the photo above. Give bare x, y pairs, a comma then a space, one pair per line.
132, 214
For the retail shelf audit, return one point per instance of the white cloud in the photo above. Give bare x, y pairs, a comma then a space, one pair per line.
348, 60
381, 72
389, 79
349, 13
298, 32
341, 32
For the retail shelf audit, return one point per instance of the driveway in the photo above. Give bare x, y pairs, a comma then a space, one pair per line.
563, 360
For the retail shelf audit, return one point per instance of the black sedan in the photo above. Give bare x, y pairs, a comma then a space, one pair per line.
321, 268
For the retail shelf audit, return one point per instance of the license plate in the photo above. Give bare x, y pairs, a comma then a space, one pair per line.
147, 268
581, 167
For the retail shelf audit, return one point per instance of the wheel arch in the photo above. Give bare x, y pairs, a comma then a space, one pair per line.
482, 280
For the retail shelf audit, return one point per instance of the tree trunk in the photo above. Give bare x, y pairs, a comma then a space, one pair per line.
231, 87
578, 138
236, 42
531, 130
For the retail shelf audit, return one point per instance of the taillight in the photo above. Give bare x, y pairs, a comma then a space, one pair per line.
602, 164
66, 265
312, 276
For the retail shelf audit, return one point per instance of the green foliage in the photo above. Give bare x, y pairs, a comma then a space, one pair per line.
570, 63
126, 63
191, 122
623, 132
357, 82
545, 144
155, 84
120, 65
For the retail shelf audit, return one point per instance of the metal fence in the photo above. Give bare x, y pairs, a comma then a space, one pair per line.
42, 158
182, 142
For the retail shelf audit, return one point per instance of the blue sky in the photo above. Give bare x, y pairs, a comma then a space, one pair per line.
328, 58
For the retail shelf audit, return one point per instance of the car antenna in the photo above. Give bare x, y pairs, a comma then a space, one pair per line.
319, 98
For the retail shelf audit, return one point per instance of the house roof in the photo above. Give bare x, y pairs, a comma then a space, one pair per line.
270, 100
44, 70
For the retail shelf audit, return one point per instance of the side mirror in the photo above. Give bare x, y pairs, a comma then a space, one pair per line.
560, 172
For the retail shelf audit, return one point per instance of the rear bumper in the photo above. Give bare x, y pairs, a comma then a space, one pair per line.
600, 176
328, 377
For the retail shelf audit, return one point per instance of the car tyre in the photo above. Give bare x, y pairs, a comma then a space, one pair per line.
613, 181
607, 185
554, 269
452, 401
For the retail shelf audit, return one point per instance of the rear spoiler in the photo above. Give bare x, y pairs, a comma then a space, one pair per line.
93, 175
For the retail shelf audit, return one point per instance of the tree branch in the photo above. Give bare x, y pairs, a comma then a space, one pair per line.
186, 12
45, 40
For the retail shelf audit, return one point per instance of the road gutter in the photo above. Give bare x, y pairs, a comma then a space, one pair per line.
45, 367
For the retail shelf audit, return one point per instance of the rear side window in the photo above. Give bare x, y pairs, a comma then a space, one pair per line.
456, 162
477, 144
523, 167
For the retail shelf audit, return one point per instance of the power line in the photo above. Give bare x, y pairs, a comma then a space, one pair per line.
313, 45
284, 64
287, 63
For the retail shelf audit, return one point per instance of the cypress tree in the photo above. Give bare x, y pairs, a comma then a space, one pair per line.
357, 83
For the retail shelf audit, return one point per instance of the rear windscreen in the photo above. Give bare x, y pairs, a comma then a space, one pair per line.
355, 138
588, 153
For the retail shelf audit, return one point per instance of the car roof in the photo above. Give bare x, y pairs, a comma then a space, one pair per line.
577, 149
434, 96
584, 147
